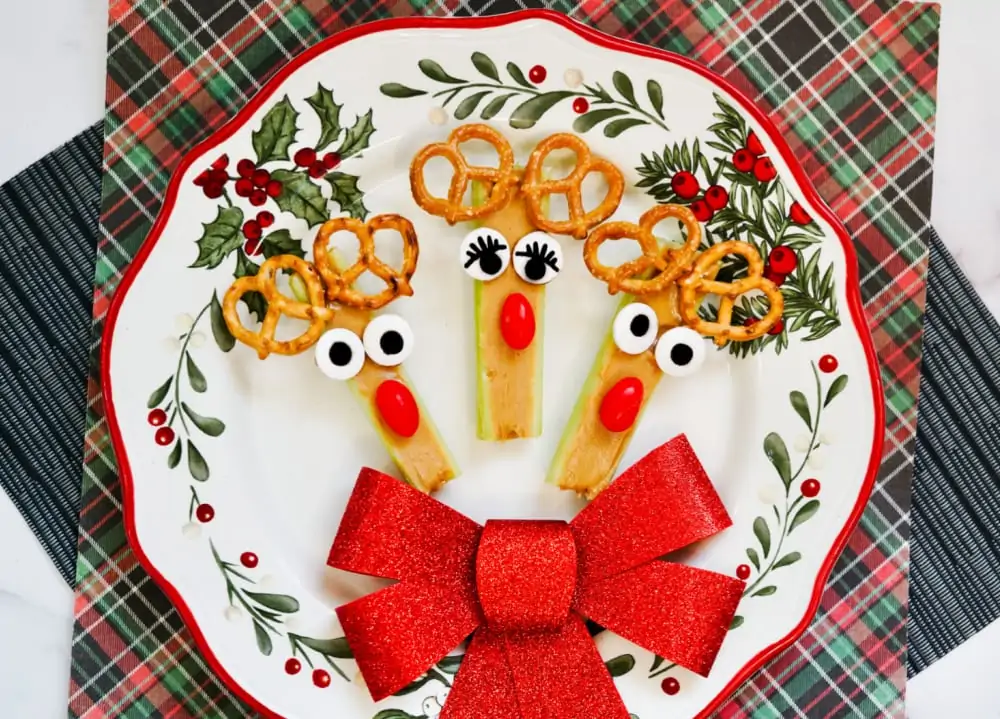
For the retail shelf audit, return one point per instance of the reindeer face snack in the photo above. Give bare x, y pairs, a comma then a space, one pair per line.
349, 342
658, 330
511, 256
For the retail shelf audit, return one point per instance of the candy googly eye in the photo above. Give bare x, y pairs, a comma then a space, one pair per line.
485, 254
680, 352
635, 328
538, 258
340, 354
388, 340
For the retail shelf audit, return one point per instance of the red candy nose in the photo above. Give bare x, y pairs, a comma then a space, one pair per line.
517, 321
621, 405
398, 408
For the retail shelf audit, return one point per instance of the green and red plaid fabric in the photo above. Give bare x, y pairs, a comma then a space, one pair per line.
851, 84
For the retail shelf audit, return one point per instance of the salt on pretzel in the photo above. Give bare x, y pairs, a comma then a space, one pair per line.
340, 283
657, 267
315, 312
536, 188
500, 180
697, 283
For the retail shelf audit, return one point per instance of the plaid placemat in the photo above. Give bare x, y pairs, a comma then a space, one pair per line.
851, 84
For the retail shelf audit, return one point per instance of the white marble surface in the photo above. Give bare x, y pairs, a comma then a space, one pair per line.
55, 88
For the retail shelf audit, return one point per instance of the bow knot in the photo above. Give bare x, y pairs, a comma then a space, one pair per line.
522, 589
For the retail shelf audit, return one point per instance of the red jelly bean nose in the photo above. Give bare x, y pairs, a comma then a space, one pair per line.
621, 405
398, 408
517, 321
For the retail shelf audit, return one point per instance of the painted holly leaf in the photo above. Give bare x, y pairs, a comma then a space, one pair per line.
347, 194
621, 665
220, 237
278, 602
805, 513
300, 196
358, 136
220, 330
195, 376
451, 663
469, 104
209, 425
838, 386
530, 111
276, 134
159, 394
255, 302
400, 91
615, 128
263, 639
736, 623
590, 120
335, 647
197, 465
801, 407
754, 557
657, 663
655, 93
788, 559
434, 71
765, 591
515, 72
624, 87
485, 66
328, 112
281, 242
396, 714
494, 106
413, 686
763, 534
175, 456
777, 452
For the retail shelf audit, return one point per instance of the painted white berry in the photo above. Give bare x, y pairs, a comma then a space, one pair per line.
197, 340
359, 680
573, 77
802, 443
267, 582
233, 614
438, 116
770, 493
827, 437
817, 460
183, 323
191, 530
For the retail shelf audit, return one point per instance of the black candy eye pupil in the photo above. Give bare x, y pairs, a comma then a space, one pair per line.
681, 355
490, 263
391, 342
639, 325
535, 269
341, 354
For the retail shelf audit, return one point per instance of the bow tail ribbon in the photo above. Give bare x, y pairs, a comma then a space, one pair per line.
521, 662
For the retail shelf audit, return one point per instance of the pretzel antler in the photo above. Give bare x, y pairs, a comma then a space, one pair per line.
315, 311
536, 188
340, 283
697, 284
500, 180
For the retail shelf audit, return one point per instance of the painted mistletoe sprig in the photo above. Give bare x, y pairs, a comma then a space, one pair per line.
286, 174
617, 111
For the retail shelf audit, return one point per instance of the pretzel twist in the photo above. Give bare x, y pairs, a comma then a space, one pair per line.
697, 283
314, 312
656, 268
536, 188
501, 180
340, 282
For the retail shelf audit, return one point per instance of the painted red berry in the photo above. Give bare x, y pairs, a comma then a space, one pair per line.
537, 74
702, 211
743, 160
157, 418
331, 160
244, 187
754, 144
621, 404
214, 191
670, 686
764, 169
743, 572
717, 197
261, 178
293, 666
749, 321
317, 170
205, 513
258, 198
828, 363
218, 177
164, 436
778, 328
580, 105
321, 678
249, 560
252, 230
245, 168
265, 218
202, 179
782, 260
222, 163
685, 185
798, 214
253, 247
775, 277
305, 157
274, 188
810, 488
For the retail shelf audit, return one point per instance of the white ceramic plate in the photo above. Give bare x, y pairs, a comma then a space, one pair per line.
266, 452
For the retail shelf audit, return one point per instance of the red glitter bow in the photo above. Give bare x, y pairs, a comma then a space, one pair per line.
524, 587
